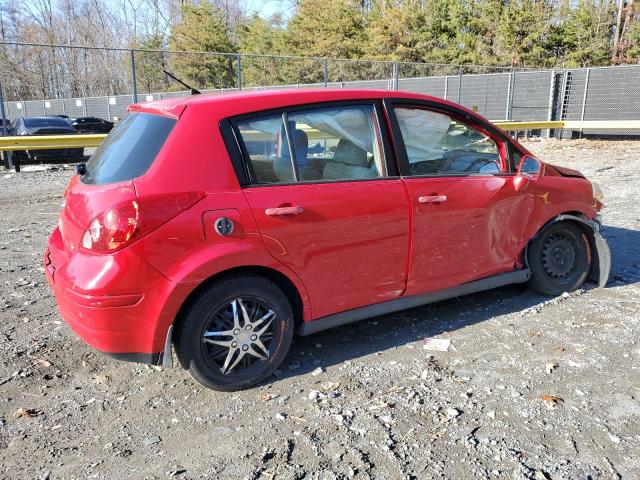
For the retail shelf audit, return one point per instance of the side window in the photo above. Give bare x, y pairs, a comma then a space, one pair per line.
265, 141
341, 143
437, 144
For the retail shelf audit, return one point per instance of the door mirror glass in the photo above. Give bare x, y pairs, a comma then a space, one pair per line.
530, 167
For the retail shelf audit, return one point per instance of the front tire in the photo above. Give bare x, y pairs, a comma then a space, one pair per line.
559, 258
236, 333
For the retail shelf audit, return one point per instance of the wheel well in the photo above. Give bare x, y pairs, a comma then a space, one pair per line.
553, 221
575, 214
281, 280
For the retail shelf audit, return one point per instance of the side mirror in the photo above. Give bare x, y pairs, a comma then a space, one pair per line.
529, 169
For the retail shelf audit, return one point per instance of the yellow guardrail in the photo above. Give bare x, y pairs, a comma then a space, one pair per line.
50, 142
520, 126
570, 125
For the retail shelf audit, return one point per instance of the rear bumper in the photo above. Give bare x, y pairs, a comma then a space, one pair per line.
117, 304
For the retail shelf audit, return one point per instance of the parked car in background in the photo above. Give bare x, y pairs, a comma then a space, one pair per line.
2, 125
50, 125
4, 156
91, 125
220, 224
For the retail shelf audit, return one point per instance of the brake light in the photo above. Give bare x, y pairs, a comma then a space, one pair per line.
125, 222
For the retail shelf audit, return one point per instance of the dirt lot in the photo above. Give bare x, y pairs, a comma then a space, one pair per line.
362, 401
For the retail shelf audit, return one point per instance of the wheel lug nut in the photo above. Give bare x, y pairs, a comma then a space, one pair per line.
254, 337
248, 327
236, 331
245, 348
234, 344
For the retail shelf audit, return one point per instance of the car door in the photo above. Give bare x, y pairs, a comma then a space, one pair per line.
468, 216
335, 211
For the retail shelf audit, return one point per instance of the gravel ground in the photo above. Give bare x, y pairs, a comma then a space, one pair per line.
530, 387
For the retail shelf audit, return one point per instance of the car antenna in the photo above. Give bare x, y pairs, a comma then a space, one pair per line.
194, 91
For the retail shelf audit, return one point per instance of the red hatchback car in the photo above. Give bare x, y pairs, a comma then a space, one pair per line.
220, 224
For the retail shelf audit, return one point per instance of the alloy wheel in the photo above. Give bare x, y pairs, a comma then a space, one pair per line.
239, 335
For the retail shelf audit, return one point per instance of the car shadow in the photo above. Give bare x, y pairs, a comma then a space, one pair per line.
385, 332
625, 255
340, 344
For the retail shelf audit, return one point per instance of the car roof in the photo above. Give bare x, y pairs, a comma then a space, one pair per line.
43, 117
239, 102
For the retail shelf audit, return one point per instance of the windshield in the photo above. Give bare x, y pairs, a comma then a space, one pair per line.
45, 122
130, 148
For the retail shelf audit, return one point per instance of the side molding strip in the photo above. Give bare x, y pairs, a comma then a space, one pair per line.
350, 316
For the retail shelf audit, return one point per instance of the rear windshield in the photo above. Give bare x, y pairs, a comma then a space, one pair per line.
130, 148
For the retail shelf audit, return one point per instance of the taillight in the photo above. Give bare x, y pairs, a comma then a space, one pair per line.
125, 222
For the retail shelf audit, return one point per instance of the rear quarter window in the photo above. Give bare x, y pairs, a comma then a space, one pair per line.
130, 148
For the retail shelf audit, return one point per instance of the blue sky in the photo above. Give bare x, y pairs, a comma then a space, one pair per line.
266, 8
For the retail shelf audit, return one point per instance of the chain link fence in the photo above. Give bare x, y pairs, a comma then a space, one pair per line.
42, 80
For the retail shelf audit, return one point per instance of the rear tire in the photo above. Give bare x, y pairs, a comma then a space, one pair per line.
236, 333
559, 258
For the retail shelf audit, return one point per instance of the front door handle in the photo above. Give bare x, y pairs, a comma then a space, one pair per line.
433, 199
272, 212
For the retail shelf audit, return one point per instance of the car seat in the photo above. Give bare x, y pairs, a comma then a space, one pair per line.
349, 161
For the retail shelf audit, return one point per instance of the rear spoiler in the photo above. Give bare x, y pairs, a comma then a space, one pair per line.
173, 111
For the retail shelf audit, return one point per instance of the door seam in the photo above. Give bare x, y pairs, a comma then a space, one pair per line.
409, 239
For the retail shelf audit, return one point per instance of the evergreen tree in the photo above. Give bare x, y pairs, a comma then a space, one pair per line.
202, 28
432, 31
444, 30
149, 65
480, 38
264, 37
632, 52
525, 33
332, 28
396, 31
585, 34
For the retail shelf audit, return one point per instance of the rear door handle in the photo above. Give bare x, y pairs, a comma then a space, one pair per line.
433, 199
272, 212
